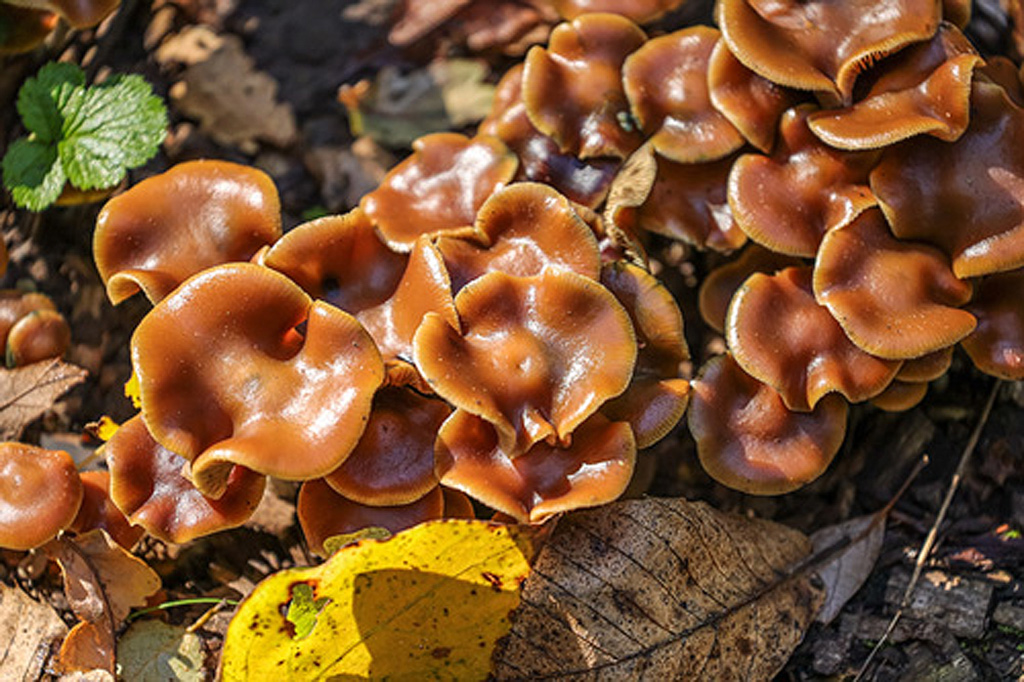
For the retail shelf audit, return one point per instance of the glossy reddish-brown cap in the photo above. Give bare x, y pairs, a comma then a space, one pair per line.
966, 197
822, 46
15, 305
39, 335
323, 513
640, 11
788, 200
1004, 73
99, 511
927, 367
226, 378
521, 230
719, 286
583, 181
439, 188
901, 396
666, 82
170, 226
78, 13
543, 481
925, 89
573, 88
780, 335
895, 299
339, 259
535, 356
40, 493
148, 483
753, 104
26, 28
393, 464
997, 346
956, 12
658, 392
748, 440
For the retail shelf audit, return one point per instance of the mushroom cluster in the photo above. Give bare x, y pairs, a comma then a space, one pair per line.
456, 334
24, 24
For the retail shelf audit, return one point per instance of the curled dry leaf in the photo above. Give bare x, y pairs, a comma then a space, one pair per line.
28, 630
660, 589
27, 392
846, 570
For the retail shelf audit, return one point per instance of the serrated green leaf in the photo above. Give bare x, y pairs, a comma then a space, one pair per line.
41, 98
304, 610
109, 129
33, 174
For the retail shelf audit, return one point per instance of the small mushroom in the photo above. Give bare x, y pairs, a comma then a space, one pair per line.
748, 440
78, 13
40, 493
99, 511
23, 29
640, 11
170, 226
39, 335
719, 286
901, 396
997, 346
927, 367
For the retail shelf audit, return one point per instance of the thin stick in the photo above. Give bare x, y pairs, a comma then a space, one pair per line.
929, 541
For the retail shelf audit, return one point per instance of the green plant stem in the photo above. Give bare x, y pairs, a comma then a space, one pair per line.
179, 602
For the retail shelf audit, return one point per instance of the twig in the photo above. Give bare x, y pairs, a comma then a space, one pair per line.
929, 541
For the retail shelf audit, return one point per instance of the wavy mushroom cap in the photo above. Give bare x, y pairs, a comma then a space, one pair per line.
99, 511
1004, 73
895, 299
148, 484
24, 28
748, 440
40, 493
925, 89
722, 283
997, 346
226, 378
779, 334
521, 230
544, 480
583, 181
439, 188
640, 11
171, 226
822, 46
393, 464
324, 513
339, 259
39, 335
967, 197
901, 396
788, 200
666, 82
927, 367
535, 356
658, 392
573, 88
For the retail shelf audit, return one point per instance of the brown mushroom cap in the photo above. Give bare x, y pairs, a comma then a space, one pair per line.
15, 305
393, 464
543, 481
439, 188
666, 81
523, 229
997, 346
640, 11
924, 89
719, 286
226, 379
1004, 73
24, 28
170, 226
927, 367
535, 356
99, 511
895, 299
967, 197
39, 335
748, 440
148, 485
323, 513
804, 189
822, 46
40, 494
573, 88
779, 334
901, 396
78, 13
658, 393
956, 12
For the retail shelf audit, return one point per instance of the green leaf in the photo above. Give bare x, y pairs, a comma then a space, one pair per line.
304, 610
151, 651
33, 174
42, 97
110, 128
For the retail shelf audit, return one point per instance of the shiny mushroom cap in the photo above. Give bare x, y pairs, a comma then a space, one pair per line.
39, 335
99, 511
24, 28
719, 286
997, 346
640, 11
40, 493
78, 13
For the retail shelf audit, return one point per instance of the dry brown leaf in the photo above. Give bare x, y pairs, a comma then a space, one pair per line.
661, 589
632, 185
846, 570
27, 631
27, 392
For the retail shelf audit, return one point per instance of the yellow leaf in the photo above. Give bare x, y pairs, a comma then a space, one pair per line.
428, 602
131, 390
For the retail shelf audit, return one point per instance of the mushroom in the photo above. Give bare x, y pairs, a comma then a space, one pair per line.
895, 299
226, 378
39, 335
170, 226
927, 367
148, 484
14, 305
439, 188
900, 396
40, 493
546, 479
78, 13
997, 345
535, 356
22, 28
99, 511
748, 440
719, 286
640, 11
573, 88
